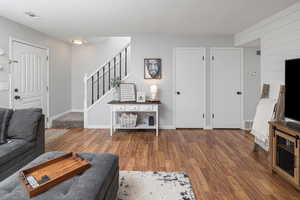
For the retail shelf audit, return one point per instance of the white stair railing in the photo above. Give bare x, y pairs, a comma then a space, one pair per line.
98, 83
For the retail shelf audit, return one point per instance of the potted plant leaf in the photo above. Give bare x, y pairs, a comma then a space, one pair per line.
115, 83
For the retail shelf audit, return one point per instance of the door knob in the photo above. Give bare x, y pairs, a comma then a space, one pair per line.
178, 93
16, 90
17, 97
239, 93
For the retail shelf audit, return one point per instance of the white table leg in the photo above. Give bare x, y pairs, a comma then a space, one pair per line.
111, 121
157, 120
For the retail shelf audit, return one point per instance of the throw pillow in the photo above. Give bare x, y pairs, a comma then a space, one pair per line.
24, 124
5, 115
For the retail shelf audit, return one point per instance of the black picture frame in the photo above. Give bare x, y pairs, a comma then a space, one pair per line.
152, 68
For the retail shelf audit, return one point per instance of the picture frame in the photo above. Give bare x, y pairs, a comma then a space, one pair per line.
152, 68
127, 92
140, 97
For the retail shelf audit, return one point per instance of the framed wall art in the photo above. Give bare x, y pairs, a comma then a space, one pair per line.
152, 68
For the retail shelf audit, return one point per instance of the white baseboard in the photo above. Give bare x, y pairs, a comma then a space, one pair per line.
208, 127
170, 127
108, 127
98, 126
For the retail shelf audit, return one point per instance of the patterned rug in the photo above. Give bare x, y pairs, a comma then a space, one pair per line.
135, 185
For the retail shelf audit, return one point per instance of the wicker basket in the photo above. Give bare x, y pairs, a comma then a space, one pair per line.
128, 120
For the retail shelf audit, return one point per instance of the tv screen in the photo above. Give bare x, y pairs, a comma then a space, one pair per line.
292, 86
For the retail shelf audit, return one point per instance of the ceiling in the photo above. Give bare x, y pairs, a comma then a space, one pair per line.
81, 19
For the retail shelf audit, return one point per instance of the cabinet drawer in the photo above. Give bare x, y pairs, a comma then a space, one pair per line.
132, 108
146, 108
119, 108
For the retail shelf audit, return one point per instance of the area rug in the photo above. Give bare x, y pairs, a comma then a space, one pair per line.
53, 134
135, 185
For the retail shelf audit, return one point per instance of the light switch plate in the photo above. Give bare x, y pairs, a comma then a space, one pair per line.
4, 86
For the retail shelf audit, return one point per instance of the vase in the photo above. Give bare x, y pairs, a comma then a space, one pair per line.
116, 94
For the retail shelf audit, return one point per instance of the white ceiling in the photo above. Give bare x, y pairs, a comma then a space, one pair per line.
70, 19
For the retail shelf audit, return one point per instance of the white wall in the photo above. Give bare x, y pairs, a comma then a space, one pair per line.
251, 82
87, 58
280, 40
60, 63
159, 46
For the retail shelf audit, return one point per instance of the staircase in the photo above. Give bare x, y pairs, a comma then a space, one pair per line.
98, 84
69, 120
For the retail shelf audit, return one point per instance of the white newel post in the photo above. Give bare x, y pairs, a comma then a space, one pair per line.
85, 80
10, 91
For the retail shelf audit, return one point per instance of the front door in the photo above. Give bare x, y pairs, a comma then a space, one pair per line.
29, 77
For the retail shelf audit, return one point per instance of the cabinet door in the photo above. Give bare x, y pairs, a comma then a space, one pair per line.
286, 156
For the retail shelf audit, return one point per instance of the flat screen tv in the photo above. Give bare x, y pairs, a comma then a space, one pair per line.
292, 89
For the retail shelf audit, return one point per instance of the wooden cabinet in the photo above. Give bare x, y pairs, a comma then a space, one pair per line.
285, 151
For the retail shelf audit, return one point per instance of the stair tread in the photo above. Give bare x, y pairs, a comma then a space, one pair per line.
72, 119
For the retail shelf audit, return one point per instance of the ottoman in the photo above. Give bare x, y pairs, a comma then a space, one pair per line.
99, 182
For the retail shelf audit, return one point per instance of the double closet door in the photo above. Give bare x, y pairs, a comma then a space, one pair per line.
225, 78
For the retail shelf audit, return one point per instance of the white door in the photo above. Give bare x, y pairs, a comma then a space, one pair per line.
226, 66
190, 87
29, 77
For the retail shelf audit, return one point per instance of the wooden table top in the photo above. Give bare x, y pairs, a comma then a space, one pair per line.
134, 102
283, 127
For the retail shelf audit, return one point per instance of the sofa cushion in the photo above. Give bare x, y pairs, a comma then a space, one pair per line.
24, 124
5, 115
13, 148
93, 184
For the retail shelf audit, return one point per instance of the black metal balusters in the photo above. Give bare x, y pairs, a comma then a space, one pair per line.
103, 77
115, 67
98, 87
108, 75
126, 61
96, 95
120, 65
92, 89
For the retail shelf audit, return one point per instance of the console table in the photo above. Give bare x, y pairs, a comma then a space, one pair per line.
134, 107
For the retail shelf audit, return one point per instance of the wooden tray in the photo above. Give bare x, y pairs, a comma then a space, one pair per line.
56, 170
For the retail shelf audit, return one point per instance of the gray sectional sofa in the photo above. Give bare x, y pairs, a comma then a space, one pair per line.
22, 139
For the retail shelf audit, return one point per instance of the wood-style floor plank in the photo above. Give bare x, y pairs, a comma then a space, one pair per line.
220, 163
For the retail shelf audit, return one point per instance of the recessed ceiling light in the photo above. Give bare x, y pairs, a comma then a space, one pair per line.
78, 42
31, 14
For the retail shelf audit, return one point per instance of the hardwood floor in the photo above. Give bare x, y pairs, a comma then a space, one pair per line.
220, 163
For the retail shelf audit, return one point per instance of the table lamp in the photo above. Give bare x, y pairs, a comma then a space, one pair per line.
153, 90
